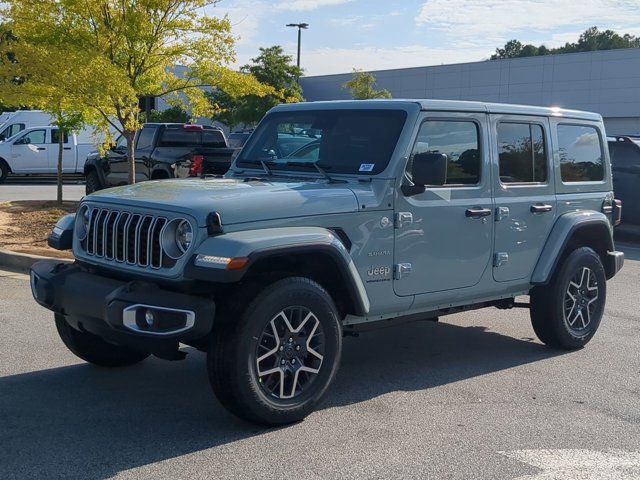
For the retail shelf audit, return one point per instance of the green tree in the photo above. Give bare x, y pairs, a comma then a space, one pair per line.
67, 122
362, 86
175, 114
116, 52
272, 68
590, 40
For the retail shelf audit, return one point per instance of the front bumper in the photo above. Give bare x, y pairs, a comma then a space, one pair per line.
118, 311
615, 263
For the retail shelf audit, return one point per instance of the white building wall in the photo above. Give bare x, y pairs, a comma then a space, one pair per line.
607, 82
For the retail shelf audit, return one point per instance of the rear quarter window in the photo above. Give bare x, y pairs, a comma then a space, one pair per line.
581, 154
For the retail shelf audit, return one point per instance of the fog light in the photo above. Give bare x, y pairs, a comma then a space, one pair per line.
150, 318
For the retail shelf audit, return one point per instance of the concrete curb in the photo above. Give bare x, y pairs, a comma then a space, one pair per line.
21, 262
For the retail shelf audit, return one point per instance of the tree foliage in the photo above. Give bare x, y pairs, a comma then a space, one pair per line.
272, 68
590, 40
362, 86
175, 114
102, 56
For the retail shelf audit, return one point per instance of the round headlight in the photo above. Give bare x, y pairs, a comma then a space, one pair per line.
82, 222
184, 236
176, 238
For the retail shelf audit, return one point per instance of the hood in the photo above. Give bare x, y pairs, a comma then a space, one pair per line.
235, 200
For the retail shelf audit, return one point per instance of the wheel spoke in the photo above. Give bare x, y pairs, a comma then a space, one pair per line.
290, 352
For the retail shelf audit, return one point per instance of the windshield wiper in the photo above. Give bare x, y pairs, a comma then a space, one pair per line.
260, 162
315, 165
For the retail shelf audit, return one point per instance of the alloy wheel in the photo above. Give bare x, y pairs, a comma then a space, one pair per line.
290, 353
580, 300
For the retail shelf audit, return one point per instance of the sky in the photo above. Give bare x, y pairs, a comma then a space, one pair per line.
384, 34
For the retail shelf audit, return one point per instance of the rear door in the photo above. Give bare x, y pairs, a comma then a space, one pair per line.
68, 152
524, 193
29, 153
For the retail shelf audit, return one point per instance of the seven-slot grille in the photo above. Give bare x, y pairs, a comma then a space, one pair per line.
125, 237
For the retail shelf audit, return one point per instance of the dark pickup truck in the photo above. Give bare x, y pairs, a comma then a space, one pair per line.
163, 150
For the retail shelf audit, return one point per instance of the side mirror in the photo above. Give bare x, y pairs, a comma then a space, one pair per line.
22, 141
427, 169
2, 137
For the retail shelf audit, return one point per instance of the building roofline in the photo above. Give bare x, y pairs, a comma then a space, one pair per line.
476, 62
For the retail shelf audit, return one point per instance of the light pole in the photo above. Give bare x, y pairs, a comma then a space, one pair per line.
300, 27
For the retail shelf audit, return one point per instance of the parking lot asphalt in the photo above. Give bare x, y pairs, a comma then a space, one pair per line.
474, 396
40, 188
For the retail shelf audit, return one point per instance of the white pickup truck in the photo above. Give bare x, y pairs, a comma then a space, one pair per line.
35, 151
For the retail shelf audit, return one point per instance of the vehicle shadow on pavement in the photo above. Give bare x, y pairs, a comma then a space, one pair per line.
82, 421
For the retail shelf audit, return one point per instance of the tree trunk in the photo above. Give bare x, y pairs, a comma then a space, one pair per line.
60, 147
131, 155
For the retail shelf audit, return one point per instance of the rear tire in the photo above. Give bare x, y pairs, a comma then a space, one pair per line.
567, 312
272, 361
92, 182
94, 349
4, 171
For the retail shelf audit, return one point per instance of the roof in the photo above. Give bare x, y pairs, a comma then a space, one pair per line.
445, 105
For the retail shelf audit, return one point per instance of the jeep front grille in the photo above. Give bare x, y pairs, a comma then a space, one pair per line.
125, 237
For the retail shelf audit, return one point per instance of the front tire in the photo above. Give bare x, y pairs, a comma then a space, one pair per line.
94, 349
272, 362
92, 182
4, 171
566, 313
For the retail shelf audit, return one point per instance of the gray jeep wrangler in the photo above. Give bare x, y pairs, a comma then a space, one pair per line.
335, 217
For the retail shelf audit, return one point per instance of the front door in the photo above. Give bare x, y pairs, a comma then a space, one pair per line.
29, 153
444, 235
524, 193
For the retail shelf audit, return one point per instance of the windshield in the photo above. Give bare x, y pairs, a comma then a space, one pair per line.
341, 141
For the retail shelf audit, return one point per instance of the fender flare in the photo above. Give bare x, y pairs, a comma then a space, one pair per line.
256, 245
95, 164
564, 228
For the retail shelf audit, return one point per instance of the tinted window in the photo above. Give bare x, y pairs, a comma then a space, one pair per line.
55, 137
580, 154
624, 154
521, 153
213, 139
350, 141
145, 138
459, 141
180, 137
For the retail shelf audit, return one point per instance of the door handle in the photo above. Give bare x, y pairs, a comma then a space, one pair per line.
41, 148
477, 212
66, 148
540, 208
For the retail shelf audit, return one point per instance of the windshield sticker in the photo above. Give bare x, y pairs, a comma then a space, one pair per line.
366, 167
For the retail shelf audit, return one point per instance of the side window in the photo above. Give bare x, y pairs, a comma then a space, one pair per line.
522, 153
624, 155
145, 138
213, 139
460, 141
34, 137
581, 156
15, 128
55, 136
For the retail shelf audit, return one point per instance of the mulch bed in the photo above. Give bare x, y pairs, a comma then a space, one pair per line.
25, 226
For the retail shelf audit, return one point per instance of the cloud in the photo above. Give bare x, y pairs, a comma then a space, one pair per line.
489, 19
340, 60
308, 5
